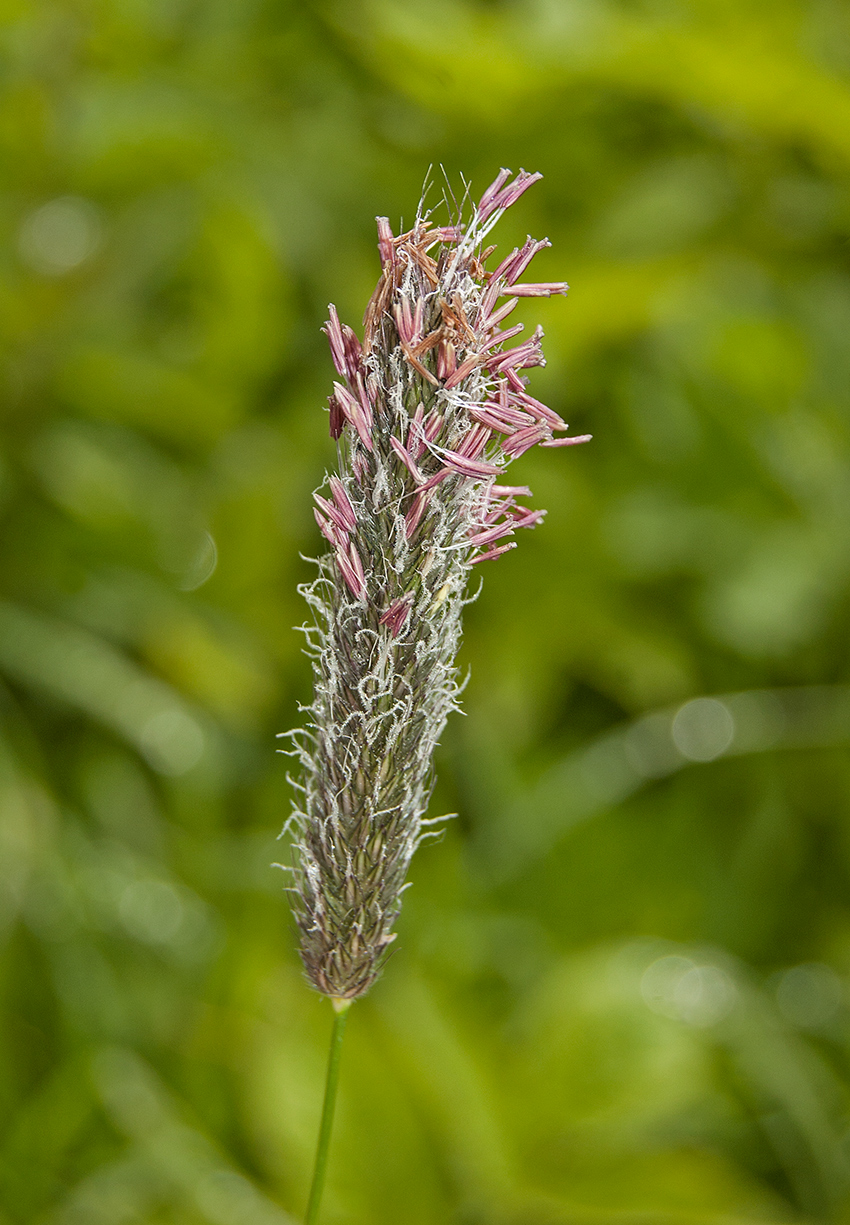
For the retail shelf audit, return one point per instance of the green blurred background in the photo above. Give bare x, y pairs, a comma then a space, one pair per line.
622, 985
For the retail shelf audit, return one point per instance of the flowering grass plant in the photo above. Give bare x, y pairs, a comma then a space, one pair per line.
431, 408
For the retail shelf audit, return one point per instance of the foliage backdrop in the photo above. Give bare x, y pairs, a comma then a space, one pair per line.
622, 985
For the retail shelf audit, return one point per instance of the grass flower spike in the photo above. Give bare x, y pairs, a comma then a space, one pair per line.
428, 412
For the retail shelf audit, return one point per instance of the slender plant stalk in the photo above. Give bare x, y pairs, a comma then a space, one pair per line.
432, 409
341, 1008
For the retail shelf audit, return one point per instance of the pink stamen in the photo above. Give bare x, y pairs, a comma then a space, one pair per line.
474, 442
446, 359
354, 412
499, 315
433, 425
505, 265
336, 341
366, 395
362, 427
415, 441
357, 568
487, 203
510, 194
404, 321
346, 402
541, 411
407, 459
494, 510
337, 417
488, 301
512, 416
353, 351
567, 442
491, 534
501, 337
523, 440
491, 421
491, 553
529, 354
529, 519
417, 509
463, 371
517, 264
435, 479
333, 514
397, 614
343, 502
446, 234
409, 322
327, 530
469, 467
348, 572
386, 249
543, 289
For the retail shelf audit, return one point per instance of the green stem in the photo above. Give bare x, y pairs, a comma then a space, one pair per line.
341, 1008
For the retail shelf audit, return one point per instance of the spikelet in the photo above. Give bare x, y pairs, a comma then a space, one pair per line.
429, 411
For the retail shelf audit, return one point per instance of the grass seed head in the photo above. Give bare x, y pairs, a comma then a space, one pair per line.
431, 410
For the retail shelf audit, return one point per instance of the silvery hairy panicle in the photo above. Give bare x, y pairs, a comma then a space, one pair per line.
429, 411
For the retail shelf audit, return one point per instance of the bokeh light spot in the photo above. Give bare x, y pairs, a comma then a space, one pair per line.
659, 982
699, 995
172, 741
809, 996
202, 566
703, 729
648, 746
60, 235
151, 911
